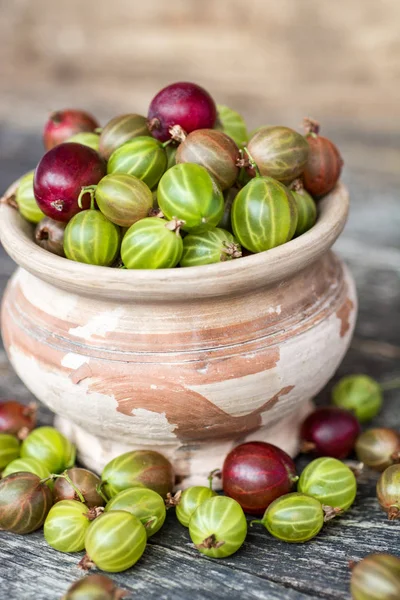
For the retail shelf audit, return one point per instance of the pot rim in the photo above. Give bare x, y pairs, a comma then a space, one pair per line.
229, 278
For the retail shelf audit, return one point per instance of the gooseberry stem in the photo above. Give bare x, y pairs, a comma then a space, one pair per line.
68, 479
214, 473
392, 384
88, 189
167, 143
99, 486
256, 521
252, 162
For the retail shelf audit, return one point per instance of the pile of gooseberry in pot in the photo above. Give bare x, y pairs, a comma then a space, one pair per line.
186, 186
111, 517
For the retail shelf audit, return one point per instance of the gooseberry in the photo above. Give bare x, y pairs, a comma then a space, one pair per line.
330, 481
229, 196
170, 151
24, 502
49, 235
17, 418
9, 449
123, 199
119, 130
278, 152
152, 243
190, 500
264, 214
114, 542
62, 124
188, 192
138, 467
51, 447
60, 176
324, 164
376, 577
388, 491
28, 465
255, 473
218, 527
213, 150
66, 525
330, 431
91, 238
232, 123
359, 393
87, 139
294, 518
212, 246
185, 104
145, 504
26, 201
143, 157
378, 448
95, 587
306, 208
87, 484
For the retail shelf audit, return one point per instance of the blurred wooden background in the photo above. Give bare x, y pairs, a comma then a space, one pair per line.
338, 61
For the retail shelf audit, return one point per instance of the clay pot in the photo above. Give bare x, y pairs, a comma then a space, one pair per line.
189, 362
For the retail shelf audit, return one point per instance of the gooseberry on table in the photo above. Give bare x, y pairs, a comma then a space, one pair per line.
114, 542
62, 124
388, 491
232, 123
256, 473
50, 447
330, 431
378, 448
49, 235
330, 481
359, 393
95, 587
9, 449
119, 130
28, 465
26, 201
24, 502
66, 525
87, 484
152, 243
212, 246
324, 164
143, 157
17, 418
148, 506
189, 500
218, 527
376, 577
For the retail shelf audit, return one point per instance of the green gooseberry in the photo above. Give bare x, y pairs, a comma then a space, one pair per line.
50, 447
330, 481
359, 393
218, 527
294, 518
86, 138
92, 239
187, 192
138, 468
25, 199
28, 465
232, 123
152, 243
143, 157
306, 208
264, 214
190, 500
115, 541
145, 504
170, 151
212, 246
119, 130
388, 491
376, 577
9, 449
66, 526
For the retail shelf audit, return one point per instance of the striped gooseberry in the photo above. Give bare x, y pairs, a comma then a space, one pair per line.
92, 239
324, 164
218, 527
66, 525
123, 199
378, 448
376, 577
190, 500
119, 130
359, 393
62, 124
95, 587
26, 201
264, 214
27, 465
152, 243
188, 192
9, 449
138, 468
255, 473
143, 157
85, 481
24, 502
330, 481
213, 150
86, 138
148, 506
388, 491
49, 235
329, 431
278, 152
17, 418
306, 208
50, 447
212, 246
114, 542
294, 518
232, 123
170, 151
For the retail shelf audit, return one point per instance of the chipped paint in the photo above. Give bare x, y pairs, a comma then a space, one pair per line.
99, 325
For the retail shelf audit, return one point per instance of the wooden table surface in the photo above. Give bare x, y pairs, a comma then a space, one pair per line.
264, 568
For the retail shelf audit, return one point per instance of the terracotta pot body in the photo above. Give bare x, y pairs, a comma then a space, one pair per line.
187, 361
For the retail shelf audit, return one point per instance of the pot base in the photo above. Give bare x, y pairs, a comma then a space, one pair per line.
192, 462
